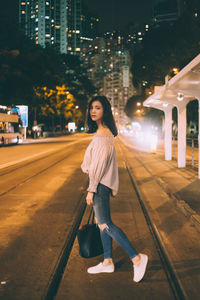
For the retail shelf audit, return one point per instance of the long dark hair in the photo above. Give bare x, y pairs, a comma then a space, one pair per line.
107, 120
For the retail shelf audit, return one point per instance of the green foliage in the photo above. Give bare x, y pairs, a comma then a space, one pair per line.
26, 67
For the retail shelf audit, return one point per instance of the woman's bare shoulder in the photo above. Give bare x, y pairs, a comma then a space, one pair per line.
104, 132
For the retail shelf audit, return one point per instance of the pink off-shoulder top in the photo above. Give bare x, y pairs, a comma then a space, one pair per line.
100, 163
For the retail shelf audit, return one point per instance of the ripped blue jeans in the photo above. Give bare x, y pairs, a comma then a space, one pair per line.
101, 205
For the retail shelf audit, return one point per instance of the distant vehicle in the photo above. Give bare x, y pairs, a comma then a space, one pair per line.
9, 126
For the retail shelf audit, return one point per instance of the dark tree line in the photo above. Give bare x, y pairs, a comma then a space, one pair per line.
26, 67
166, 47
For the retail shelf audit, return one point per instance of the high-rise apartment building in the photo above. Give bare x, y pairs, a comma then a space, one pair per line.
118, 86
55, 22
74, 26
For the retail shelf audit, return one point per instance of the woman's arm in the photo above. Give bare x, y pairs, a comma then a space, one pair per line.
89, 198
99, 164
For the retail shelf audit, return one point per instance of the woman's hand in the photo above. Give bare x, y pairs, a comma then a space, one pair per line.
89, 198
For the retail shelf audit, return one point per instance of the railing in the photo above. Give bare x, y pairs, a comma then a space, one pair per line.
192, 143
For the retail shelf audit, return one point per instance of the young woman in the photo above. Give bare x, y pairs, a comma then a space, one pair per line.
101, 165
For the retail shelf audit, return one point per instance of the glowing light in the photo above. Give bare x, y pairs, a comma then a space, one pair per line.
154, 142
175, 70
180, 96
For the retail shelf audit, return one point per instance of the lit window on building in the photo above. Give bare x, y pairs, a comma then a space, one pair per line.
23, 12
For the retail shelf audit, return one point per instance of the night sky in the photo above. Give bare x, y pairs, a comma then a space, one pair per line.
116, 14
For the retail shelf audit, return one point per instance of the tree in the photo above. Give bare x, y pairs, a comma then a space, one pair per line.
57, 105
27, 68
164, 48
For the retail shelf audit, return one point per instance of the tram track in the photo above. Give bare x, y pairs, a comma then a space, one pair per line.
51, 289
19, 166
171, 275
37, 173
8, 169
53, 160
173, 281
55, 278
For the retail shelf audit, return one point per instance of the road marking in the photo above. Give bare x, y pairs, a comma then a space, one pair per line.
39, 154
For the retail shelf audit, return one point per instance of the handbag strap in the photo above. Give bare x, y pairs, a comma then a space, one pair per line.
91, 211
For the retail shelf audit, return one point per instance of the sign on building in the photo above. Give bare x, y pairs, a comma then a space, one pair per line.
23, 113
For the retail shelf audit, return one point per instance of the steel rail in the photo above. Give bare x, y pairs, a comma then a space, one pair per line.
173, 281
35, 174
51, 289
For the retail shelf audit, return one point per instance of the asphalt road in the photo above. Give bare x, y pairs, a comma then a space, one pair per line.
40, 190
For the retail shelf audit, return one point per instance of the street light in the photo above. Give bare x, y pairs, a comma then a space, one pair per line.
180, 96
138, 103
175, 70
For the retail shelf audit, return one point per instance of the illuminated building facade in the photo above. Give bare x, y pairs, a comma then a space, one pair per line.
74, 26
55, 22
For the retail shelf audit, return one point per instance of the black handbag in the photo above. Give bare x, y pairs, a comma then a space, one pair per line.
89, 239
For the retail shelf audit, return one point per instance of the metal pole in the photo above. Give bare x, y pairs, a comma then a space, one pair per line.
192, 152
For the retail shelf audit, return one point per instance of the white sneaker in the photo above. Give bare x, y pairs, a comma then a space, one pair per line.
139, 270
100, 268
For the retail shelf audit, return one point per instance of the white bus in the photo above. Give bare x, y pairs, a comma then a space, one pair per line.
9, 126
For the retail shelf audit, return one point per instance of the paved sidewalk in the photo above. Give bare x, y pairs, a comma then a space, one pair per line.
168, 194
182, 184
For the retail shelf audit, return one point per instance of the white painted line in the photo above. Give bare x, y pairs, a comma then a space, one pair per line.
38, 154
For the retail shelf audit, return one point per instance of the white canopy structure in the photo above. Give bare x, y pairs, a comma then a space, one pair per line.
177, 92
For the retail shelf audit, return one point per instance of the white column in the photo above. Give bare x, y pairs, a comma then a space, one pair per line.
182, 134
199, 142
168, 133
